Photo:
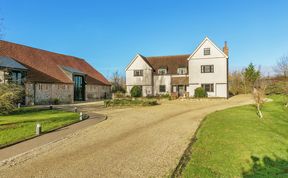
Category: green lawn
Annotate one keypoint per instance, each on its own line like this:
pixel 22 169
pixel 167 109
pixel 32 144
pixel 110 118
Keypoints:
pixel 21 124
pixel 236 143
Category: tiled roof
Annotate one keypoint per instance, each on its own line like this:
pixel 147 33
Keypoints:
pixel 180 80
pixel 45 66
pixel 172 63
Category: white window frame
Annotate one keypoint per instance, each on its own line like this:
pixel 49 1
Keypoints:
pixel 210 87
pixel 207 51
pixel 162 71
pixel 182 71
pixel 207 68
pixel 138 73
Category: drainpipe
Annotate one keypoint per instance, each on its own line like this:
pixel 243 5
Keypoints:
pixel 227 78
pixel 152 82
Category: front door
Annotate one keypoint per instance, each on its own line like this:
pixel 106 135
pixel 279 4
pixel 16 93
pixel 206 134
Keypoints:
pixel 181 90
pixel 79 88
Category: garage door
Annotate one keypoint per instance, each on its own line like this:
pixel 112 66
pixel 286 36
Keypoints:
pixel 221 90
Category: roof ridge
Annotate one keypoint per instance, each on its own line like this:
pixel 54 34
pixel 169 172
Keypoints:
pixel 34 48
pixel 168 56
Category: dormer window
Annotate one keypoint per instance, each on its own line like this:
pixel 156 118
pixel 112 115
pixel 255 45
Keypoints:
pixel 182 70
pixel 162 71
pixel 207 51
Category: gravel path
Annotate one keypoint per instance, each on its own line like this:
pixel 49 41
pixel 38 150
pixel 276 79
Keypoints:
pixel 133 142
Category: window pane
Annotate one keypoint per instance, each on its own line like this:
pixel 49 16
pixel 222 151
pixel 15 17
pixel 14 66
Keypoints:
pixel 138 72
pixel 162 71
pixel 207 69
pixel 206 51
pixel 162 88
pixel 208 87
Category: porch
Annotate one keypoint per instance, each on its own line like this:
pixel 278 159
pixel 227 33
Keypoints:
pixel 179 86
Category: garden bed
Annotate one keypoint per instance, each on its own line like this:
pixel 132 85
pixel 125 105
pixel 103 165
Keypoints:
pixel 130 102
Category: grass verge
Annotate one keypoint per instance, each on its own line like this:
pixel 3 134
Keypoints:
pixel 236 143
pixel 20 125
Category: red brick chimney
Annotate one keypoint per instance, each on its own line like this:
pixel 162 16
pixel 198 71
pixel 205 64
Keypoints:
pixel 226 49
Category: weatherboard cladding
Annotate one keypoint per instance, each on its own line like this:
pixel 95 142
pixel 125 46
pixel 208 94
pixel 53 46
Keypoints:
pixel 45 66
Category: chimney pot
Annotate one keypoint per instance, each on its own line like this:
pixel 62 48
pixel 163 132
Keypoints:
pixel 226 49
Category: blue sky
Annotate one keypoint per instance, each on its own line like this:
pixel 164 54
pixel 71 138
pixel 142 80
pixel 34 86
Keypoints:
pixel 109 33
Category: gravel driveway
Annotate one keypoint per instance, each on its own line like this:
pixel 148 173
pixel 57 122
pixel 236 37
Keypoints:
pixel 133 142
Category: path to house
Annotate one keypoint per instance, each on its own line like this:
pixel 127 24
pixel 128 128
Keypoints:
pixel 133 142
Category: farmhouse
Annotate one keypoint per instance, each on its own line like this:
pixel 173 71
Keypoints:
pixel 206 67
pixel 49 76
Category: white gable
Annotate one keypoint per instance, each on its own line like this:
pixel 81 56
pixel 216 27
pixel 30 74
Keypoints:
pixel 215 52
pixel 138 63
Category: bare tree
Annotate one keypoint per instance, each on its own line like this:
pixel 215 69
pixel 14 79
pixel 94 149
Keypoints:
pixel 286 93
pixel 259 95
pixel 281 67
pixel 236 82
pixel 118 82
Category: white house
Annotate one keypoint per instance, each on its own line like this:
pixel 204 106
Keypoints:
pixel 206 67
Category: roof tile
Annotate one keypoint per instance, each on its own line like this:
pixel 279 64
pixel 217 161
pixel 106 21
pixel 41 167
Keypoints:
pixel 43 65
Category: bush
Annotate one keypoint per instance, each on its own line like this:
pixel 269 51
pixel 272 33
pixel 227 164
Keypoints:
pixel 167 95
pixel 136 91
pixel 56 101
pixel 117 89
pixel 130 102
pixel 118 95
pixel 159 96
pixel 200 93
pixel 276 88
pixel 10 95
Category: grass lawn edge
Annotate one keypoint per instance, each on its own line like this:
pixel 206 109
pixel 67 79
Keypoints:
pixel 43 133
pixel 186 156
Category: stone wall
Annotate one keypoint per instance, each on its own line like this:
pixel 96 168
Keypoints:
pixel 94 92
pixel 29 94
pixel 1 76
pixel 46 92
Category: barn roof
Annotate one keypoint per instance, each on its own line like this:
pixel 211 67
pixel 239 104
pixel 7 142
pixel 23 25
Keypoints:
pixel 45 66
